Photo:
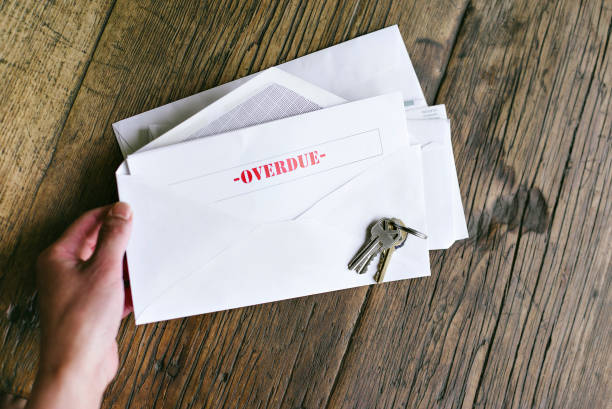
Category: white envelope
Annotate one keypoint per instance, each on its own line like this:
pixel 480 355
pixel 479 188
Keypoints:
pixel 445 218
pixel 192 252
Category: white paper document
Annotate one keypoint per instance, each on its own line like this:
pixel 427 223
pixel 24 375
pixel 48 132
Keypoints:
pixel 272 211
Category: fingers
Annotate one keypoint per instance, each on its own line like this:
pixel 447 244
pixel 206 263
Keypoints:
pixel 113 237
pixel 89 245
pixel 71 242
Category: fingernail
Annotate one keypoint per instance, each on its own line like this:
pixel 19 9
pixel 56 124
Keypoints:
pixel 121 210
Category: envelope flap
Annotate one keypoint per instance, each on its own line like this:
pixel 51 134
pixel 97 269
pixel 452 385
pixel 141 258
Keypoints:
pixel 368 190
pixel 172 237
pixel 307 255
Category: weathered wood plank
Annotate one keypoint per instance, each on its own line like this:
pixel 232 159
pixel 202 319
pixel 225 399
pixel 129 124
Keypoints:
pixel 45 49
pixel 519 316
pixel 284 354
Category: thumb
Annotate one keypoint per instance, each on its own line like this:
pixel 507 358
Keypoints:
pixel 114 236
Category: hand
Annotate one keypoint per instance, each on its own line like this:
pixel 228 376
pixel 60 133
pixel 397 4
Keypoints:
pixel 82 301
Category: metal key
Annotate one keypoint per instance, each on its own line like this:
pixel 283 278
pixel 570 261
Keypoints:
pixel 375 231
pixel 389 240
pixel 405 229
pixel 385 256
pixel 381 238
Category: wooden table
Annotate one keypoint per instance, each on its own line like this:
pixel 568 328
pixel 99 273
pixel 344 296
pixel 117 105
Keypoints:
pixel 519 315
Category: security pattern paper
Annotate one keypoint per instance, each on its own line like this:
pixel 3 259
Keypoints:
pixel 274 102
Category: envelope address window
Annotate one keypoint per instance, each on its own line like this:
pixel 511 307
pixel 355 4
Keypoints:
pixel 287 167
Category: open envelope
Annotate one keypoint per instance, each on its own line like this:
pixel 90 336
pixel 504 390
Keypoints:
pixel 201 250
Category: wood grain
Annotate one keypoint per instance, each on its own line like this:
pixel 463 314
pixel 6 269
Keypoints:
pixel 45 50
pixel 518 316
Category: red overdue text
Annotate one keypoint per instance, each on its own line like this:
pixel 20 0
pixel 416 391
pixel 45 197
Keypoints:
pixel 279 167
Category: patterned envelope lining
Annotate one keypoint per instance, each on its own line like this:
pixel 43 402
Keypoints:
pixel 274 102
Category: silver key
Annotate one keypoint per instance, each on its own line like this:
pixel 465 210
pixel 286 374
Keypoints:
pixel 375 231
pixel 389 239
pixel 380 239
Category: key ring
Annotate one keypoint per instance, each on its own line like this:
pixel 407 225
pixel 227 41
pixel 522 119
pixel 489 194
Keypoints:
pixel 409 230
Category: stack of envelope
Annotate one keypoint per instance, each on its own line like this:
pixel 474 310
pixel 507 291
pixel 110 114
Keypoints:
pixel 263 188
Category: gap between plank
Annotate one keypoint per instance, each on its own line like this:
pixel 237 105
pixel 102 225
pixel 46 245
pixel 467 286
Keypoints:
pixel 452 50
